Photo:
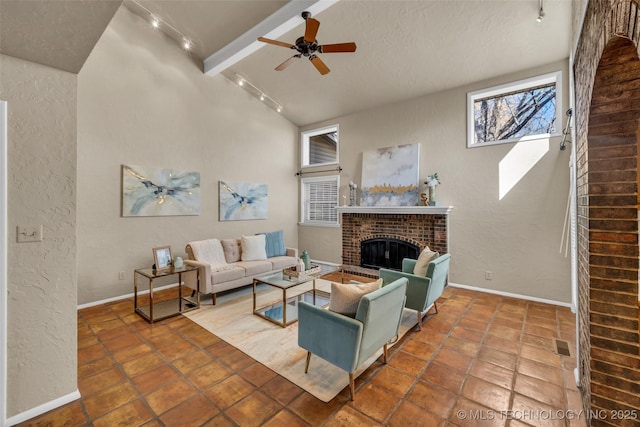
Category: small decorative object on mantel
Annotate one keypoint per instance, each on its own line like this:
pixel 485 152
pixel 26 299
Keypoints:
pixel 432 182
pixel 353 188
pixel 424 200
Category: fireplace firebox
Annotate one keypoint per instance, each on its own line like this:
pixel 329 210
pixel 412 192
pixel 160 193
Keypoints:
pixel 386 253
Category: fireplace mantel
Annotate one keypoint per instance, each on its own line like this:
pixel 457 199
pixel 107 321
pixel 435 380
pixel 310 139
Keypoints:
pixel 395 210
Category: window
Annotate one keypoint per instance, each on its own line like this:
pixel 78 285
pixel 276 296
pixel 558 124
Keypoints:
pixel 320 146
pixel 526 109
pixel 320 200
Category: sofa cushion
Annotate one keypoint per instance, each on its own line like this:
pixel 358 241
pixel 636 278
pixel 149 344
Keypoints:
pixel 227 275
pixel 231 249
pixel 254 267
pixel 280 262
pixel 253 248
pixel 426 256
pixel 274 243
pixel 345 297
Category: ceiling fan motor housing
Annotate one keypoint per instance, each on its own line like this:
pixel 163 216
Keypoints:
pixel 305 48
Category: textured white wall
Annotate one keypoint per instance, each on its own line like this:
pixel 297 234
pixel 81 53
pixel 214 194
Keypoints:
pixel 517 238
pixel 143 101
pixel 42 191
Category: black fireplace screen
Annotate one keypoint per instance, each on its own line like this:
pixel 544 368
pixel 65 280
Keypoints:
pixel 386 253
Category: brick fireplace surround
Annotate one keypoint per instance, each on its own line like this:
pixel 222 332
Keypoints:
pixel 607 78
pixel 419 225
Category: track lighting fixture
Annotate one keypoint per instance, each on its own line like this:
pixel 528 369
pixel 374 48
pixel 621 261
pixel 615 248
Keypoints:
pixel 253 90
pixel 540 11
pixel 164 26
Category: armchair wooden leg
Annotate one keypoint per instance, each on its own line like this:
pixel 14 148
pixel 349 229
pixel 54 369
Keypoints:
pixel 435 305
pixel 352 385
pixel 306 366
pixel 213 299
pixel 384 353
pixel 419 320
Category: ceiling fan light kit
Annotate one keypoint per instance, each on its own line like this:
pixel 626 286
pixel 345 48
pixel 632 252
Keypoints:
pixel 307 46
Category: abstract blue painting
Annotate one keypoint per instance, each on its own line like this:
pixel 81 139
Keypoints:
pixel 243 201
pixel 159 192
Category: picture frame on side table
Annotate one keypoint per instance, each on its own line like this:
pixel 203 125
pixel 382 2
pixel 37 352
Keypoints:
pixel 162 258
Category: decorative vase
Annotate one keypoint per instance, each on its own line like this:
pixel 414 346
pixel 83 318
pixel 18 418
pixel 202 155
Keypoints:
pixel 178 263
pixel 432 196
pixel 301 268
pixel 306 259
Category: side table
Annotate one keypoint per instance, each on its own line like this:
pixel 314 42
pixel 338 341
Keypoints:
pixel 162 310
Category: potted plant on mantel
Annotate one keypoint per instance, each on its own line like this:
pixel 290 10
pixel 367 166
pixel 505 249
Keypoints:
pixel 432 182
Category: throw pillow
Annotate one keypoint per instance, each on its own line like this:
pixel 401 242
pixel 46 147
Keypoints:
pixel 275 243
pixel 426 256
pixel 344 299
pixel 253 248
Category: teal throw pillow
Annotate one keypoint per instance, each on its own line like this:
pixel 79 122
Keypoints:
pixel 275 243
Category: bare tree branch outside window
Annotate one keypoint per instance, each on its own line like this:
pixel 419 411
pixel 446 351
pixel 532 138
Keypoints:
pixel 513 115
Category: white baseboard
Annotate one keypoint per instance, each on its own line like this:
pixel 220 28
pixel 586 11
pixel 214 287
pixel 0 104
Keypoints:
pixel 511 295
pixel 121 297
pixel 45 407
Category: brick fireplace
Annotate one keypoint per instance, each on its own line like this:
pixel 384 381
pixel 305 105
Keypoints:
pixel 419 225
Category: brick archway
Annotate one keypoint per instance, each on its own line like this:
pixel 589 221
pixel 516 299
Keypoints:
pixel 607 125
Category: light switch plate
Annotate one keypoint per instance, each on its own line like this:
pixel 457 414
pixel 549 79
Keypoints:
pixel 29 233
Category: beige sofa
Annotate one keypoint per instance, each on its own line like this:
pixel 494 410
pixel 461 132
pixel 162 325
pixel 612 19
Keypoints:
pixel 232 272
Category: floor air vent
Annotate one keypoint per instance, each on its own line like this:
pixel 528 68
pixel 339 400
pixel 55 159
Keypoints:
pixel 562 348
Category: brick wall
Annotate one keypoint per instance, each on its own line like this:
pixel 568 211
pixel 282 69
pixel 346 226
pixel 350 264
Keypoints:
pixel 607 76
pixel 419 229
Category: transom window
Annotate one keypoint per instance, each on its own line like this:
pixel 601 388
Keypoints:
pixel 320 146
pixel 526 109
pixel 319 200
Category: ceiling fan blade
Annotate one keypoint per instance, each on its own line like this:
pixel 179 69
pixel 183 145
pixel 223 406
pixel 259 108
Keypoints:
pixel 338 47
pixel 286 63
pixel 311 30
pixel 320 66
pixel 276 42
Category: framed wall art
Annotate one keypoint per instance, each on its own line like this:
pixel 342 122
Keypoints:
pixel 243 201
pixel 390 176
pixel 159 192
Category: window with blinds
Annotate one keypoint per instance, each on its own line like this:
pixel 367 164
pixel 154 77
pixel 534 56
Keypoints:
pixel 320 200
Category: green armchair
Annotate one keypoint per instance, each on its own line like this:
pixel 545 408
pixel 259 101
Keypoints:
pixel 422 292
pixel 347 342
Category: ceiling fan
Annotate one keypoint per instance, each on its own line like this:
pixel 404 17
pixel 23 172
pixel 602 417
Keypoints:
pixel 308 46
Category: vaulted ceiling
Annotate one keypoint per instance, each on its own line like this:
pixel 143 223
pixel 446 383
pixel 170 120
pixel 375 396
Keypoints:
pixel 405 49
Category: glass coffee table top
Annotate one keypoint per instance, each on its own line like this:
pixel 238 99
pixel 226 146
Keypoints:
pixel 280 295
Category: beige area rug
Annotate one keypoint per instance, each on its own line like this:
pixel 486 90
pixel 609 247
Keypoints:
pixel 232 320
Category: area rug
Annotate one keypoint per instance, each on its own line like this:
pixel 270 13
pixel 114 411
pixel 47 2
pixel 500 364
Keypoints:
pixel 232 320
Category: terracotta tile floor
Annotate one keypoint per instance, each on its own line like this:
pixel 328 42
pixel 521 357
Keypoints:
pixel 480 355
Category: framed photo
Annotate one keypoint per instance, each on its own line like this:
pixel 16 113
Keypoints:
pixel 162 258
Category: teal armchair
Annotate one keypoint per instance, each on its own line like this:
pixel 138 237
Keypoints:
pixel 422 292
pixel 346 342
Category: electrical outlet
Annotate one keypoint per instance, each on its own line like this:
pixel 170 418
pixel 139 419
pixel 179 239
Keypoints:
pixel 29 233
pixel 121 275
pixel 488 275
